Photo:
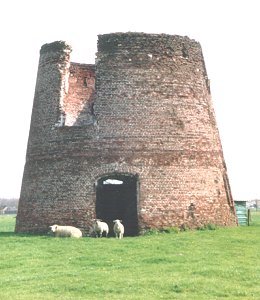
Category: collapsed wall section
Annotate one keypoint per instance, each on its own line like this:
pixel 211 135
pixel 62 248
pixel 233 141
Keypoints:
pixel 55 186
pixel 79 101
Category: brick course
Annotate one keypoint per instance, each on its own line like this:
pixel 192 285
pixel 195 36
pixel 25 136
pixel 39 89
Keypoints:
pixel 144 109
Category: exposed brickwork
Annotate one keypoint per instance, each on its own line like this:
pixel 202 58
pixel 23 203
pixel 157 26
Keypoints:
pixel 151 116
pixel 78 103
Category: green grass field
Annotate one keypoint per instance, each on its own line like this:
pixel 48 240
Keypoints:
pixel 202 264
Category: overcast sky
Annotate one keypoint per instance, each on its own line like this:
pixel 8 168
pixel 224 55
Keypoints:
pixel 228 31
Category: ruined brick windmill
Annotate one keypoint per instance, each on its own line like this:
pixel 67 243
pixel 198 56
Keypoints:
pixel 132 137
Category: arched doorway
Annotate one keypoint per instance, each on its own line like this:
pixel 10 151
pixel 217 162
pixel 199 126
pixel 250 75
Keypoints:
pixel 116 198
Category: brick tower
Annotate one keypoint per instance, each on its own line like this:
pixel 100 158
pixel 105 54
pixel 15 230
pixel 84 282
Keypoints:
pixel 132 137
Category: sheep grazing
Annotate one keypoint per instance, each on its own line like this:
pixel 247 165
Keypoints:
pixel 119 229
pixel 100 227
pixel 66 231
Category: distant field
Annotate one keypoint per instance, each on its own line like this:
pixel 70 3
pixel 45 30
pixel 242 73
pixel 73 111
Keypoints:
pixel 7 223
pixel 203 264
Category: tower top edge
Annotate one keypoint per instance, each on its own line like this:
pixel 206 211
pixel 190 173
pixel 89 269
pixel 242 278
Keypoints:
pixel 57 46
pixel 146 35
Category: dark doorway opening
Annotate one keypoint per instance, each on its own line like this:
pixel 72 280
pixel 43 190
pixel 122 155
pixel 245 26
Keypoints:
pixel 116 198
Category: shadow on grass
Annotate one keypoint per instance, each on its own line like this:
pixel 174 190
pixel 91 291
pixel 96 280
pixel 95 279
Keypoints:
pixel 14 234
pixel 7 234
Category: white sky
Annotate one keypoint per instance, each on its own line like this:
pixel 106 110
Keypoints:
pixel 228 31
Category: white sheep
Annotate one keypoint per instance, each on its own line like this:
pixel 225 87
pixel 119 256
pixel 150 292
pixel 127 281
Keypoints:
pixel 99 227
pixel 119 229
pixel 66 231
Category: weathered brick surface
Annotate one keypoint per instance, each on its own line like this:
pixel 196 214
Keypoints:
pixel 150 116
pixel 78 103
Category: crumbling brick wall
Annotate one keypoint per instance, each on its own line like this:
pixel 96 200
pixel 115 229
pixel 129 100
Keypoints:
pixel 149 115
pixel 78 103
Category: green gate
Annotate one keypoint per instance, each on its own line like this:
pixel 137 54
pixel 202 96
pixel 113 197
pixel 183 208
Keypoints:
pixel 242 213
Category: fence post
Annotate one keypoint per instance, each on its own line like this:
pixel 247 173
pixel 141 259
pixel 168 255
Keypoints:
pixel 248 216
